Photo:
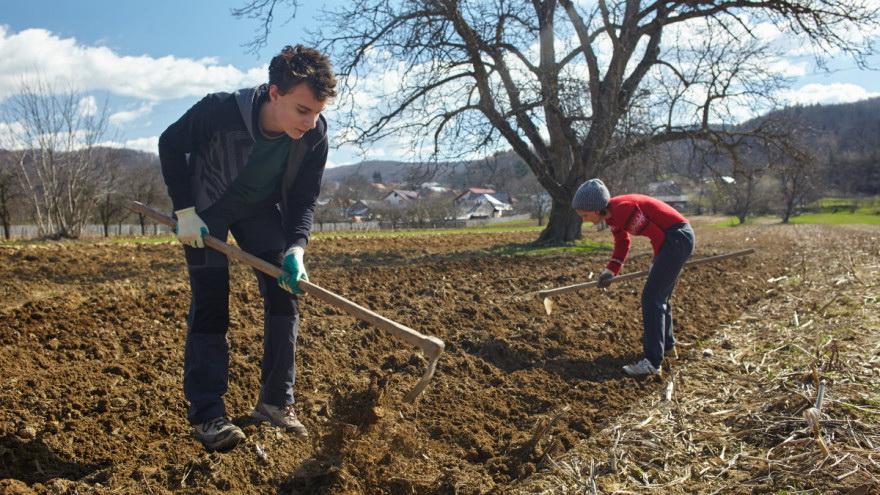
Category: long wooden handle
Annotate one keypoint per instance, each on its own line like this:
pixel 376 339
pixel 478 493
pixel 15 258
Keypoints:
pixel 432 346
pixel 643 273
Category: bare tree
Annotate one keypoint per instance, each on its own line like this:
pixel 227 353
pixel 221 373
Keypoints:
pixel 55 133
pixel 148 187
pixel 352 188
pixel 797 170
pixel 9 192
pixel 110 205
pixel 432 210
pixel 263 11
pixel 573 89
pixel 144 184
pixel 738 169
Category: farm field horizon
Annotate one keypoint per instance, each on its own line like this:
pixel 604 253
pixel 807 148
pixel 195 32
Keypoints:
pixel 91 343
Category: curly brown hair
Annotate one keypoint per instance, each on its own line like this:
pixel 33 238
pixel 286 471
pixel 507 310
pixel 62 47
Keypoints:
pixel 297 64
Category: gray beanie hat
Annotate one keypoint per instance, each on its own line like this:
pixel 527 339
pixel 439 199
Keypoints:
pixel 591 196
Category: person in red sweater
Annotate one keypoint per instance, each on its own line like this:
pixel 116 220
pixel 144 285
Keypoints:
pixel 672 239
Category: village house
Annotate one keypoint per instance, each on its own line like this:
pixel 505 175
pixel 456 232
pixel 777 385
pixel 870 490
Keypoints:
pixel 400 197
pixel 478 202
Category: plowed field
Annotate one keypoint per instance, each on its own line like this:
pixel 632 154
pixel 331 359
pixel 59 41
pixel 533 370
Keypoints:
pixel 91 350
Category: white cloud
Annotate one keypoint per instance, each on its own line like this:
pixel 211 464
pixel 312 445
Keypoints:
pixel 10 135
pixel 827 94
pixel 87 106
pixel 38 53
pixel 126 116
pixel 786 68
pixel 148 144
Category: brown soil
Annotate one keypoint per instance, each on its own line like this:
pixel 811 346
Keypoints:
pixel 91 348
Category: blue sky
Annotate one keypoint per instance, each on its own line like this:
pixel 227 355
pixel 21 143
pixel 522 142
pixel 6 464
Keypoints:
pixel 151 61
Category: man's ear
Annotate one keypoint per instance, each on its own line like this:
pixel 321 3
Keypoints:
pixel 273 92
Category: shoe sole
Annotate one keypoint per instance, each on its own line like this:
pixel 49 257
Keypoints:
pixel 257 415
pixel 226 444
pixel 630 373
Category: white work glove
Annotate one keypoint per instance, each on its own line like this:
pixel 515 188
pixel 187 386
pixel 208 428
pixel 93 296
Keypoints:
pixel 294 270
pixel 605 278
pixel 190 228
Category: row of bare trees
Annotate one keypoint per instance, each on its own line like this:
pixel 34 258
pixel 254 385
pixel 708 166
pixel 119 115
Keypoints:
pixel 55 170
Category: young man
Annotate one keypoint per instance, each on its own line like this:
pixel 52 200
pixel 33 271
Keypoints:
pixel 249 163
pixel 673 242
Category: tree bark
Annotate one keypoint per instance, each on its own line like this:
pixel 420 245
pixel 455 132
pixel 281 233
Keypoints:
pixel 564 225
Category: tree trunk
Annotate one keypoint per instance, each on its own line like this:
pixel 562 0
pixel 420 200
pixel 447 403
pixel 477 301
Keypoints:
pixel 563 226
pixel 789 208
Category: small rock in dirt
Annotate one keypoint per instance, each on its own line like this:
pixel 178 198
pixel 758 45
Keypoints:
pixel 261 454
pixel 146 471
pixel 53 344
pixel 708 352
pixel 27 433
pixel 15 487
pixel 726 344
pixel 118 402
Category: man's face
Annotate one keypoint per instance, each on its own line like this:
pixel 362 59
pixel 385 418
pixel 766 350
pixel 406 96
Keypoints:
pixel 589 216
pixel 296 112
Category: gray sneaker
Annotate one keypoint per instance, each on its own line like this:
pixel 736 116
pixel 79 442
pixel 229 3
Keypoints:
pixel 218 434
pixel 282 417
pixel 643 367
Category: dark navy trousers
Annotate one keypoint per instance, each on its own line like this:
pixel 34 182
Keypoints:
pixel 257 229
pixel 656 311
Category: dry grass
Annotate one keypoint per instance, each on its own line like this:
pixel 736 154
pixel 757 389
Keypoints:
pixel 742 413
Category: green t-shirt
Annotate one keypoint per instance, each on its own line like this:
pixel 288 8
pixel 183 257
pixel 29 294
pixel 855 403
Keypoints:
pixel 261 177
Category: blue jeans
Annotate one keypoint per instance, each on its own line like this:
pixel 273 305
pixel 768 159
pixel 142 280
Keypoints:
pixel 656 311
pixel 257 228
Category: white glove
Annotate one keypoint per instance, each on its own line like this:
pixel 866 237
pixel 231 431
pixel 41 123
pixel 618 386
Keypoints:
pixel 190 228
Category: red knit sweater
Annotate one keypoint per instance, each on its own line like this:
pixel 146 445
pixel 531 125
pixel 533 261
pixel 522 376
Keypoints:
pixel 638 214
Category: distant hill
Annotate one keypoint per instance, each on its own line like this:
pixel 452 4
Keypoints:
pixel 497 170
pixel 854 125
pixel 847 143
pixel 390 171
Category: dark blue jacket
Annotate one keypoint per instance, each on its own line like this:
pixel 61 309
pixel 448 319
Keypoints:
pixel 204 151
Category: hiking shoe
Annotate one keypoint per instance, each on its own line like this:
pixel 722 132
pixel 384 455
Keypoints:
pixel 643 367
pixel 218 434
pixel 282 417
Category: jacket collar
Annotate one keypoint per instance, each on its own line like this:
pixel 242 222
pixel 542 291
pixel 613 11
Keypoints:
pixel 249 101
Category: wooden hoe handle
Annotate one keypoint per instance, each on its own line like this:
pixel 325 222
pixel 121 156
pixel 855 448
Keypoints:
pixel 643 273
pixel 430 345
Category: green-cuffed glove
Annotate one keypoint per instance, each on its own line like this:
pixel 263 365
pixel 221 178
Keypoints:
pixel 294 270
